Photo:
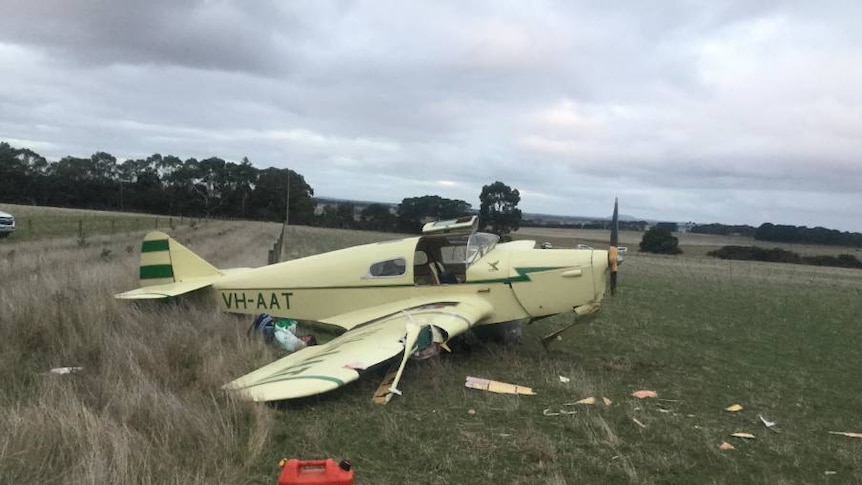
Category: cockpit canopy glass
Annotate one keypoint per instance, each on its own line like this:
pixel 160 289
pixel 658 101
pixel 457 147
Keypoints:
pixel 479 244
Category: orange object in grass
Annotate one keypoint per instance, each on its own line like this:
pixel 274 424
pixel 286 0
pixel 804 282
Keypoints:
pixel 318 472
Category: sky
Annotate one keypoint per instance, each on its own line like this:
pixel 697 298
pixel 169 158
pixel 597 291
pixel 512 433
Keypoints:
pixel 738 112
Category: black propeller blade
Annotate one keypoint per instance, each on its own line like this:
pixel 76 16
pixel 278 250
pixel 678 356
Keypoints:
pixel 613 250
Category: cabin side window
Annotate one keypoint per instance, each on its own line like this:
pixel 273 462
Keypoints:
pixel 388 268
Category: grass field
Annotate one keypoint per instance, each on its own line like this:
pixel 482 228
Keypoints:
pixel 782 340
pixel 34 223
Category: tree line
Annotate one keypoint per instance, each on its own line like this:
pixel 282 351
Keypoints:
pixel 214 187
pixel 778 255
pixel 785 233
pixel 803 234
pixel 157 184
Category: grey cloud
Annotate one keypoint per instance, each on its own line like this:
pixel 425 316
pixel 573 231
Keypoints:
pixel 231 36
pixel 686 110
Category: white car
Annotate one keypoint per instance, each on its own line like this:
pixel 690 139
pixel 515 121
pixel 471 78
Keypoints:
pixel 7 224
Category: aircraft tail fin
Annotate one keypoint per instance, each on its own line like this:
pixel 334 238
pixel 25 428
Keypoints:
pixel 169 269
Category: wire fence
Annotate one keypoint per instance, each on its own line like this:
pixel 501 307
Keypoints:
pixel 56 226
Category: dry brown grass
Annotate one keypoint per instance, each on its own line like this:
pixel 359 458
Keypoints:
pixel 146 408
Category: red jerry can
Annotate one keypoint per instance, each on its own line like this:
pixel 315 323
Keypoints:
pixel 318 472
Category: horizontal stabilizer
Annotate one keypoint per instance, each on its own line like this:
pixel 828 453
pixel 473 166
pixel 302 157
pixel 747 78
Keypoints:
pixel 166 290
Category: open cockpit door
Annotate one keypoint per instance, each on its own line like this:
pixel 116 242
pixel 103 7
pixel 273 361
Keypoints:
pixel 442 250
pixel 462 225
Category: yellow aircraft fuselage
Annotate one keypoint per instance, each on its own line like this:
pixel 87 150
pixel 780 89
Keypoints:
pixel 517 280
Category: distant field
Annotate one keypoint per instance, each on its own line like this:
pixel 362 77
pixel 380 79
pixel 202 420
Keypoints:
pixel 35 222
pixel 781 340
pixel 691 244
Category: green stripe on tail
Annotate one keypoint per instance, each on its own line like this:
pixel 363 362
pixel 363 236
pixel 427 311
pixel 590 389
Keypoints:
pixel 153 246
pixel 157 271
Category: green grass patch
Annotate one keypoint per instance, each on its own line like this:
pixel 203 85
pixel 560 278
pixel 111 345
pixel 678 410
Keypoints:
pixel 781 349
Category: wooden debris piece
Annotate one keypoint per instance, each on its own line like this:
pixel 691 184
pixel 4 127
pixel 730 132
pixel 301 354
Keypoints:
pixel 496 386
pixel 382 394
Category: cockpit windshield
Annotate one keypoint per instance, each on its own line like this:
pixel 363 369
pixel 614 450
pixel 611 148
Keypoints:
pixel 479 244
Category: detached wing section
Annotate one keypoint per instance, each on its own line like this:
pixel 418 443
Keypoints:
pixel 322 368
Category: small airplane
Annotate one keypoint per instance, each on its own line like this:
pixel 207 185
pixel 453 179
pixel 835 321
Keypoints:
pixel 391 298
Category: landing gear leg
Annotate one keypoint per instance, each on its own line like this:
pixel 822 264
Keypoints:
pixel 583 314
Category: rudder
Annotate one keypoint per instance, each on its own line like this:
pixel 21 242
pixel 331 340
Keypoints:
pixel 164 260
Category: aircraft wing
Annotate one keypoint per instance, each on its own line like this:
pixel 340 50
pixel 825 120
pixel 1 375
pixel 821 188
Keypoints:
pixel 321 368
pixel 349 321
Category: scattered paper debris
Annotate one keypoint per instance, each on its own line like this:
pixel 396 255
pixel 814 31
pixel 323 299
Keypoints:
pixel 747 436
pixel 547 412
pixel 638 423
pixel 830 472
pixel 845 433
pixel 725 446
pixel 65 370
pixel 563 411
pixel 471 411
pixel 587 400
pixel 768 424
pixel 644 393
pixel 606 401
pixel 733 408
pixel 663 410
pixel 496 386
pixel 565 380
